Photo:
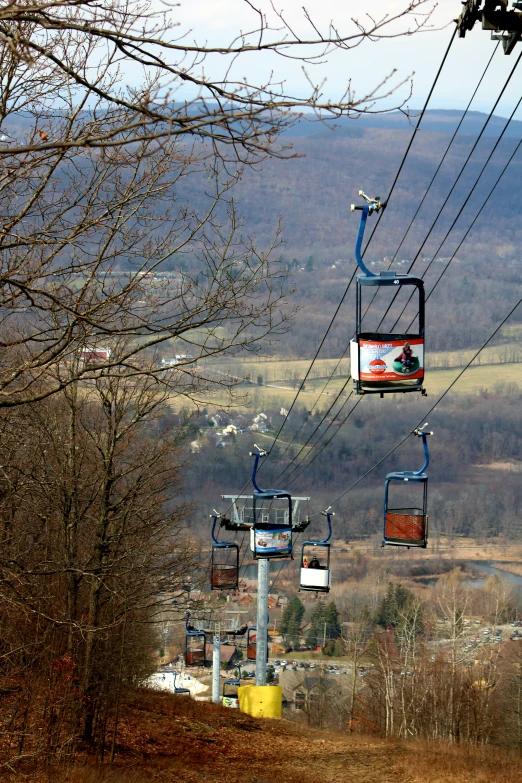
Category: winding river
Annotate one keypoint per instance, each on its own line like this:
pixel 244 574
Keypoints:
pixel 489 568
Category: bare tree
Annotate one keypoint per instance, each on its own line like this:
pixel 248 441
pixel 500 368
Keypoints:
pixel 357 640
pixel 117 216
pixel 94 542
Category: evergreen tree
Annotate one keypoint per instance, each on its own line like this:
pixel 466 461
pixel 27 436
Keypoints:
pixel 393 605
pixel 397 611
pixel 331 618
pixel 291 621
pixel 315 635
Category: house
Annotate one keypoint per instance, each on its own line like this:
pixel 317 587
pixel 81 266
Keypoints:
pixel 305 690
pixel 259 423
pixel 96 354
pixel 231 429
pixel 168 362
pixel 228 654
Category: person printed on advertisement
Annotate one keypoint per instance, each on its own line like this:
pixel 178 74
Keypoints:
pixel 405 358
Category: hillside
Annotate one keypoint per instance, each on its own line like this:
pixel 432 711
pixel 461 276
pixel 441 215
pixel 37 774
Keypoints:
pixel 312 192
pixel 173 739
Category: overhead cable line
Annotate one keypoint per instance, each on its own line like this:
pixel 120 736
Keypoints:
pixel 327 443
pixel 309 413
pixel 368 242
pixel 459 213
pixel 445 153
pixel 425 415
pixel 475 219
pixel 305 444
pixel 436 171
pixel 432 290
pixel 412 139
pixel 506 83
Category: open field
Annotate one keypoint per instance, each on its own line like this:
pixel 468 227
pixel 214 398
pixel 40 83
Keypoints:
pixel 291 369
pixel 273 382
pixel 457 548
pixel 475 379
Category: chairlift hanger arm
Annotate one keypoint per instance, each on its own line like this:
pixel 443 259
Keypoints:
pixel 257 454
pixel 419 431
pixel 215 518
pixel 328 514
pixel 266 494
pixel 372 205
pixel 228 525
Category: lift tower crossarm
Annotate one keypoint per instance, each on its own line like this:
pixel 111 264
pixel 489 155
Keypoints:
pixel 238 521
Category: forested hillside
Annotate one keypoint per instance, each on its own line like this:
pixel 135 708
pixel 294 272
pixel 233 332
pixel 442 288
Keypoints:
pixel 309 197
pixel 471 295
pixel 475 453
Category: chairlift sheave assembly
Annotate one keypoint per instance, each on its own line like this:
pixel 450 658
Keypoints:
pixel 504 23
pixel 408 526
pixel 271 532
pixel 315 574
pixel 224 569
pixel 384 363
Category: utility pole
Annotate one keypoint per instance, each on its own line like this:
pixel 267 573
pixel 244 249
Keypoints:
pixel 263 566
pixel 324 635
pixel 216 667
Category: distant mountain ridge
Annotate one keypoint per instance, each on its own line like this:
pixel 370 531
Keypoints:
pixel 434 120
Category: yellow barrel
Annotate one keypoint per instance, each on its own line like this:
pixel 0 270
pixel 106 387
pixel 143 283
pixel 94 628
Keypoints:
pixel 261 701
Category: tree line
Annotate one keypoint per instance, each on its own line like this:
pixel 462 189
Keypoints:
pixel 467 496
pixel 415 669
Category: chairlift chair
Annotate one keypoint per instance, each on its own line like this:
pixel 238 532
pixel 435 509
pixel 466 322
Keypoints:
pixel 251 644
pixel 315 562
pixel 408 526
pixel 224 573
pixel 271 532
pixel 180 691
pixel 195 646
pixel 374 364
pixel 230 695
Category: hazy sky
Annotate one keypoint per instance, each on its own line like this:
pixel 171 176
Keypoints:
pixel 219 21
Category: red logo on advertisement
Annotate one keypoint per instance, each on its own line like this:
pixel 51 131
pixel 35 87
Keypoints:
pixel 377 366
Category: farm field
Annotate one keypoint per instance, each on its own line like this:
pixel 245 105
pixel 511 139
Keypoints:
pixel 256 397
pixel 290 370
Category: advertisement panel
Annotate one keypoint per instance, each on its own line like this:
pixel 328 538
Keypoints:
pixel 273 541
pixel 391 360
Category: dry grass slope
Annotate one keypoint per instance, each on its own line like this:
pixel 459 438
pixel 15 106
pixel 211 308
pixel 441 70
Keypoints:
pixel 176 740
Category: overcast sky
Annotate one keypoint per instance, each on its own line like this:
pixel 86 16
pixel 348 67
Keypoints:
pixel 219 21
